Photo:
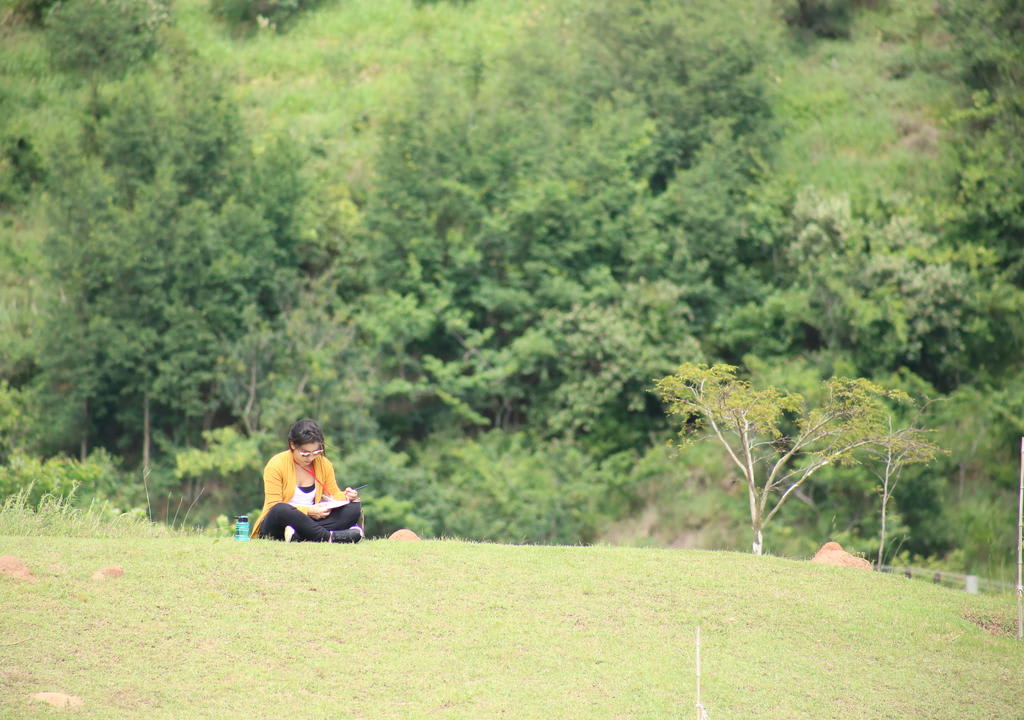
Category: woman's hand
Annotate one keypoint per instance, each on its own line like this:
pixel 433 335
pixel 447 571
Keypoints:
pixel 318 514
pixel 351 495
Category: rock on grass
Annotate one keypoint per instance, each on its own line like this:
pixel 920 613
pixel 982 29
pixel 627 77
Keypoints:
pixel 404 534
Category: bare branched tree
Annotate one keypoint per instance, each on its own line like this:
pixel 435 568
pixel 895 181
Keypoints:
pixel 892 451
pixel 749 423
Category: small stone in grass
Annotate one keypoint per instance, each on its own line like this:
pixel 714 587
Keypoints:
pixel 404 534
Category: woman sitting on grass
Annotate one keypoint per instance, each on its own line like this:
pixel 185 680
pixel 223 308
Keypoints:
pixel 297 484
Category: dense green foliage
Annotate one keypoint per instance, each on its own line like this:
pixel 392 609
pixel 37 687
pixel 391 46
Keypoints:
pixel 467 237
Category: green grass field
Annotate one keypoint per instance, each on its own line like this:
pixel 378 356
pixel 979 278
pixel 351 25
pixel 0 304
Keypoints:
pixel 205 628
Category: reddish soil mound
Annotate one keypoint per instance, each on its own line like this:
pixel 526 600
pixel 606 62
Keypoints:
pixel 832 553
pixel 59 700
pixel 111 571
pixel 15 568
pixel 404 534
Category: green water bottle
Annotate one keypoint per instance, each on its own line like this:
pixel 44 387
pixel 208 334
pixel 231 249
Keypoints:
pixel 242 527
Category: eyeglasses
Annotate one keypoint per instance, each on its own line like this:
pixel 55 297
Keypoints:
pixel 312 453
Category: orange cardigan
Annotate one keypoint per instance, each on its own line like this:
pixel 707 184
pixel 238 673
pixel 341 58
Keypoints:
pixel 279 483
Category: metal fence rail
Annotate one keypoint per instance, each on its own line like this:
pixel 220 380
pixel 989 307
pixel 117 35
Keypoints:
pixel 969 583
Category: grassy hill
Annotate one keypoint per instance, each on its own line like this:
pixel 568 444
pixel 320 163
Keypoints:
pixel 859 115
pixel 343 67
pixel 866 116
pixel 204 628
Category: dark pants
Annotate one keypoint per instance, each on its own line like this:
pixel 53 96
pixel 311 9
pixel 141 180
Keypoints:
pixel 306 528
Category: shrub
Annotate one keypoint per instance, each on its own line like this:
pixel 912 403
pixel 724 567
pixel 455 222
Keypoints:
pixel 58 476
pixel 20 169
pixel 501 488
pixel 248 14
pixel 104 37
pixel 824 18
pixel 28 12
pixel 58 515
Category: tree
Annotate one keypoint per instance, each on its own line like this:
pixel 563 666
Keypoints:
pixel 887 294
pixel 893 451
pixel 163 229
pixel 989 59
pixel 251 14
pixel 566 218
pixel 104 38
pixel 824 18
pixel 751 425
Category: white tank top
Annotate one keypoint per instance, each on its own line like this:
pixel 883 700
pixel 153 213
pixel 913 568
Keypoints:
pixel 303 497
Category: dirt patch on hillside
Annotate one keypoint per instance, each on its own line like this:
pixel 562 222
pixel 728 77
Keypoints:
pixel 919 135
pixel 58 700
pixel 111 571
pixel 998 625
pixel 15 568
pixel 832 553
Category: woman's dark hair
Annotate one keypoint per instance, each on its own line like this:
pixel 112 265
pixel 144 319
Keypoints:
pixel 305 431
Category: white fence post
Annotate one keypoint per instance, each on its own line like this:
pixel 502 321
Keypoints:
pixel 971 584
